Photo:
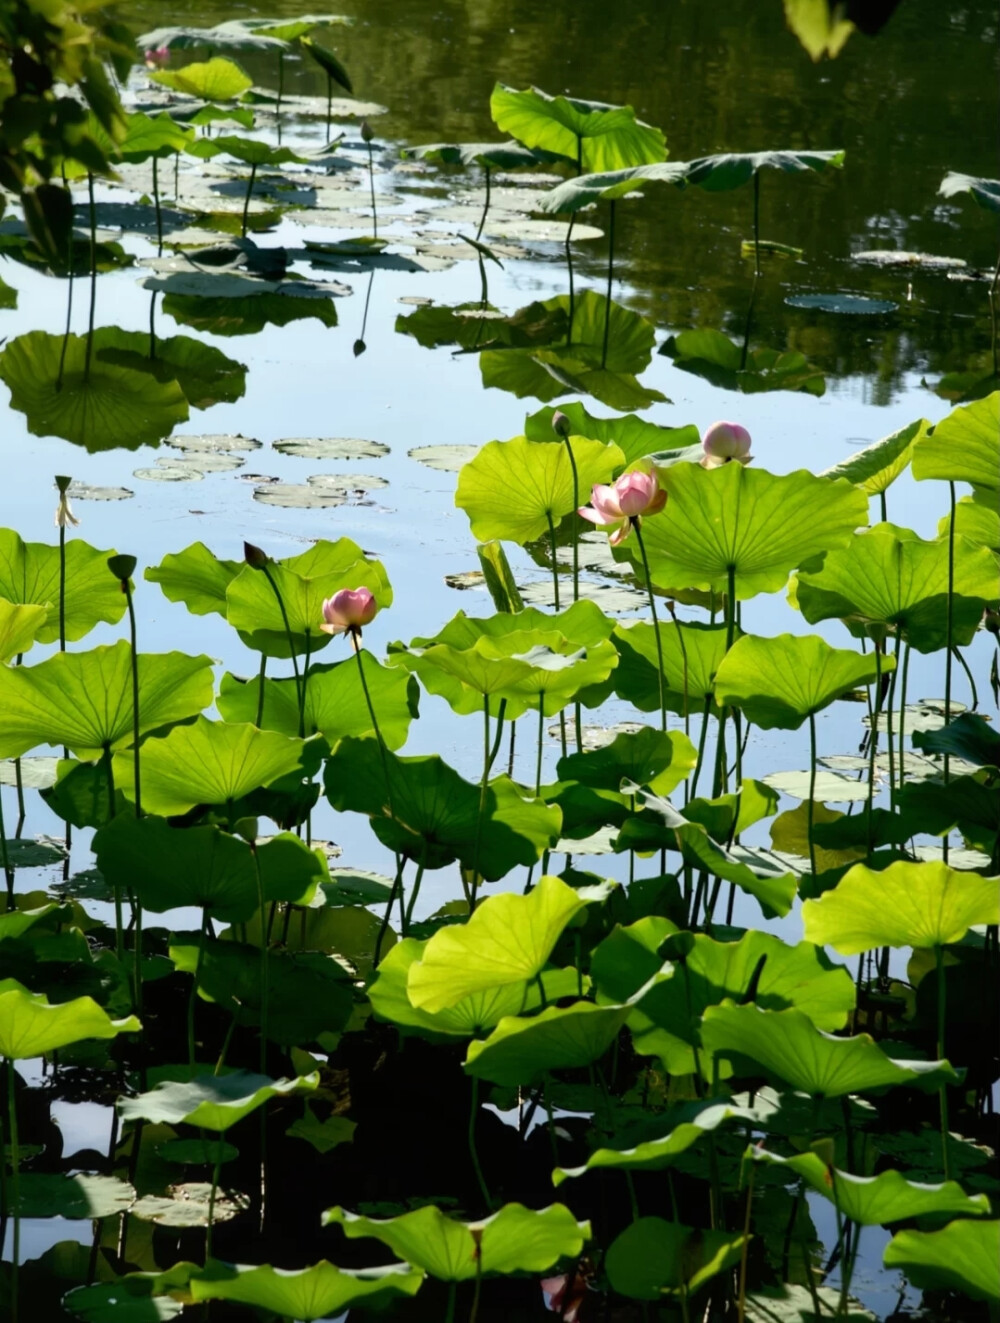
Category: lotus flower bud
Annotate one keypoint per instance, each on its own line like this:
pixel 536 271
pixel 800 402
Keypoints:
pixel 253 556
pixel 348 610
pixel 156 59
pixel 367 132
pixel 560 424
pixel 724 442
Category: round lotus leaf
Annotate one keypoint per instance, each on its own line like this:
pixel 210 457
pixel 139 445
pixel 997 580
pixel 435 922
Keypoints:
pixel 830 787
pixel 188 1205
pixel 214 443
pixel 887 257
pixel 213 1102
pixel 964 447
pixel 30 1027
pixel 448 459
pixel 80 1196
pixel 172 473
pixel 331 448
pixel 299 496
pixel 82 491
pixel 734 169
pixel 521 1049
pixel 964 1257
pixel 653 1257
pixel 37 772
pixel 851 305
pixel 316 1292
pixel 120 1302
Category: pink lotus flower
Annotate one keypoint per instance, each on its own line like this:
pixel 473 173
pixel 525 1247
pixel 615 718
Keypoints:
pixel 156 59
pixel 724 442
pixel 348 610
pixel 565 1294
pixel 632 495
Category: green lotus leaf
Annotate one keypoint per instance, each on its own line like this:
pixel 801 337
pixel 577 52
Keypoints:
pixel 976 520
pixel 726 816
pixel 323 1135
pixel 326 59
pixel 195 577
pixel 473 1015
pixel 514 1239
pixel 158 136
pixel 475 326
pixel 507 940
pixel 633 436
pixel 217 79
pixel 597 135
pixel 434 813
pixel 205 374
pixel 84 699
pixel 890 578
pixel 556 672
pixel 110 407
pixel 967 736
pixel 251 151
pixel 585 190
pixel 733 169
pixel 121 1302
pixel 907 904
pixel 496 155
pixel 169 867
pixel 653 1257
pixel 986 192
pixel 878 466
pixel 964 1256
pixel 248 314
pixel 233 34
pixel 512 489
pixel 319 1291
pixel 20 625
pixel 871 1201
pixel 45 1194
pixel 666 1022
pixel 654 758
pixel 521 1049
pixel 29 576
pixel 692 651
pixel 212 1102
pixel 30 1027
pixel 761 523
pixel 964 447
pixel 779 682
pixel 787 1046
pixel 209 762
pixel 723 362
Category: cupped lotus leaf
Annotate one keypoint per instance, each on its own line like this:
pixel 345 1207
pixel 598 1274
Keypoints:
pixel 634 436
pixel 473 1015
pixel 733 169
pixel 724 362
pixel 986 192
pixel 657 1154
pixel 871 1201
pixel 326 60
pixel 110 406
pixel 906 904
pixel 964 1256
pixel 779 682
pixel 335 701
pixel 195 577
pixel 761 524
pixel 583 624
pixel 319 1291
pixel 522 1048
pixel 556 672
pixel 653 1257
pixel 514 1239
pixel 647 757
pixel 251 151
pixel 209 762
pixel 585 190
pixel 496 155
pixel 507 940
pixel 878 466
pixel 692 655
pixel 212 1102
pixel 597 135
pixel 20 625
pixel 787 1046
pixel 964 447
pixel 217 79
pixel 512 489
pixel 83 700
pixel 666 1023
pixel 169 867
pixel 158 136
pixel 45 1194
pixel 728 815
pixel 30 1026
pixel 434 815
pixel 468 676
pixel 890 578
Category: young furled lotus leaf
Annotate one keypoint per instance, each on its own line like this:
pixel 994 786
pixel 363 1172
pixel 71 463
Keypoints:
pixel 335 703
pixel 169 867
pixel 964 447
pixel 729 170
pixel 83 700
pixel 634 436
pixel 691 1123
pixel 666 1021
pixel 871 1201
pixel 878 466
pixel 210 762
pixel 711 354
pixel 522 1048
pixel 788 1047
pixel 212 1102
pixel 515 1239
pixel 436 814
pixel 890 578
pixel 597 135
pixel 195 577
pixel 20 625
pixel 654 758
pixel 964 1256
pixel 760 524
pixel 512 489
pixel 319 1291
pixel 473 1015
pixel 779 682
pixel 906 904
pixel 30 1026
pixel 507 940
pixel 217 79
pixel 653 1257
pixel 583 191
pixel 692 650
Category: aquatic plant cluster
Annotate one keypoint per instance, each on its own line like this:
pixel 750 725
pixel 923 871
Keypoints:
pixel 558 1095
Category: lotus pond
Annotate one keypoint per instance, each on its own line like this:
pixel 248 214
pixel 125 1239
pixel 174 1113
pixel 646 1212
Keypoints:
pixel 481 838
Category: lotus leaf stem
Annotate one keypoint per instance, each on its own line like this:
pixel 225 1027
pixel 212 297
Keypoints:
pixel 483 784
pixel 260 690
pixel 682 642
pixel 15 1181
pixel 69 302
pixel 949 641
pixel 873 744
pixel 960 658
pixel 942 993
pixel 216 1168
pixel 902 713
pixel 193 995
pixel 742 1300
pixel 486 205
pixel 93 275
pixel 375 726
pixel 246 201
pixel 304 686
pixel 7 866
pixel 756 223
pixel 633 1201
pixel 156 204
pixel 636 524
pixel 473 1151
pixel 541 737
pixel 265 990
pixel 499 735
pixel 611 270
pixel 811 810
pixel 555 558
pixel 397 883
pixel 329 105
pixel 371 185
pixel 288 629
pixel 702 740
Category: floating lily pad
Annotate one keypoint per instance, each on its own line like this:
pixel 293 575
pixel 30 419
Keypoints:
pixel 37 773
pixel 855 305
pixel 216 444
pixel 331 448
pixel 188 1206
pixel 29 853
pixel 175 473
pixel 447 459
pixel 82 491
pixel 887 257
pixel 118 1302
pixel 831 788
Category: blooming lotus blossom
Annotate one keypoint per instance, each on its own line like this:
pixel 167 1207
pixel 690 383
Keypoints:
pixel 565 1294
pixel 156 59
pixel 724 442
pixel 632 495
pixel 347 611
